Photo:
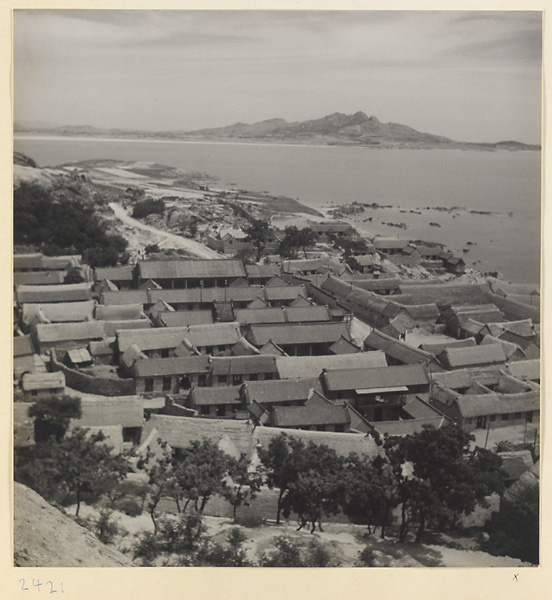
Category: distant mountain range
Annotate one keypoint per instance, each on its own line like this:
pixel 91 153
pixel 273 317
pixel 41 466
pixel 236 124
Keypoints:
pixel 336 129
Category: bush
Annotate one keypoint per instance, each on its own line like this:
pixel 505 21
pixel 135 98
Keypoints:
pixel 129 506
pixel 106 529
pixel 297 553
pixel 248 520
pixel 149 206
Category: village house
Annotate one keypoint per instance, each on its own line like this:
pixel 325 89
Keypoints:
pixel 413 417
pixel 391 246
pixel 306 367
pixel 64 336
pixel 217 338
pixel 122 277
pixel 68 292
pixel 235 370
pixel 215 402
pixel 124 412
pixel 59 312
pixel 23 355
pixel 39 278
pixel 184 274
pixel 317 417
pixel 34 262
pixel 299 339
pixel 170 375
pixel 510 403
pixel 286 392
pixel 378 394
pixel 37 386
pixel 472 356
pixel 327 232
pixel 525 370
pixel 400 353
pixel 261 274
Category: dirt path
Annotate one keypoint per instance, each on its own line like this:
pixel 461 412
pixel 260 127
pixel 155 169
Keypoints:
pixel 176 241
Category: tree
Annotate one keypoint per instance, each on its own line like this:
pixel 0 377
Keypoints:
pixel 316 491
pixel 514 530
pixel 162 481
pixel 243 485
pixel 62 219
pixel 53 415
pixel 72 470
pixel 439 477
pixel 282 462
pixel 200 471
pixel 295 239
pixel 364 499
pixel 257 233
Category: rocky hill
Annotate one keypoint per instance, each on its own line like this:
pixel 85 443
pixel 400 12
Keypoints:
pixel 45 537
pixel 336 129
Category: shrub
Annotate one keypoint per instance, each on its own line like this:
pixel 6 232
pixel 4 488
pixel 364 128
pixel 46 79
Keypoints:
pixel 129 506
pixel 248 520
pixel 147 207
pixel 106 529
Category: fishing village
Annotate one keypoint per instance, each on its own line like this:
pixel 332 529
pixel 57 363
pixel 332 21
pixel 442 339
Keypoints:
pixel 247 327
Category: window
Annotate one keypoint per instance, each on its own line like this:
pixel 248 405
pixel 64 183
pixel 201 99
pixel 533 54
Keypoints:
pixel 204 410
pixel 167 384
pixel 505 417
pixel 185 383
pixel 237 379
pixel 165 353
pixel 222 378
pixel 517 415
pixel 208 349
pixel 253 377
pixel 202 380
pixel 269 376
pixel 529 416
pixel 493 418
pixel 221 410
pixel 148 384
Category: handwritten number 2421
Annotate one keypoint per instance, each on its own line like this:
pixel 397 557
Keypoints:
pixel 49 586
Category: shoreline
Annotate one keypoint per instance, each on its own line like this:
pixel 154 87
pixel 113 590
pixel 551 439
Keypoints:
pixel 460 146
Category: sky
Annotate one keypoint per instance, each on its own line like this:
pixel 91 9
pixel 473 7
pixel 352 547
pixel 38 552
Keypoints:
pixel 470 76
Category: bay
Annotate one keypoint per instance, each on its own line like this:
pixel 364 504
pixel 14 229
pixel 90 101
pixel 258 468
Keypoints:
pixel 506 184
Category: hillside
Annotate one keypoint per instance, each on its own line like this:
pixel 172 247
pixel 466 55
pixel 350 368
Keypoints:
pixel 45 537
pixel 339 129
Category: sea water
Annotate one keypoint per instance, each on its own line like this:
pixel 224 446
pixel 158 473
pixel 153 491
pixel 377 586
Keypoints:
pixel 505 184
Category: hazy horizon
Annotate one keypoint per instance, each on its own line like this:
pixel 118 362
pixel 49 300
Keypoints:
pixel 470 76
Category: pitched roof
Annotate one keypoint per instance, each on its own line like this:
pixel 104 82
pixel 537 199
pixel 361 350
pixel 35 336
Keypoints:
pixel 111 327
pixel 510 349
pixel 290 367
pixel 67 292
pixel 365 260
pixel 105 347
pixel 43 381
pixel 305 416
pixel 122 410
pixel 278 391
pixel 36 260
pixel 375 284
pixel 272 349
pixel 124 273
pixel 407 426
pixel 261 271
pixel 453 293
pixel 156 367
pixel 22 345
pixel 475 355
pixel 298 334
pixel 170 337
pixel 419 409
pixel 396 349
pixel 39 278
pixel 260 315
pixel 185 317
pixel 79 355
pixel 119 312
pixel 384 243
pixel 423 311
pixel 180 431
pixel 523 328
pixel 61 332
pixel 306 264
pixel 191 269
pixel 126 297
pixel 495 404
pixel 60 312
pixel 344 346
pixel 525 369
pixel 204 396
pixel 380 378
pixel 438 347
pixel 242 365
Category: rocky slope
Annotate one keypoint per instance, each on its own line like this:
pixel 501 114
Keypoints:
pixel 45 537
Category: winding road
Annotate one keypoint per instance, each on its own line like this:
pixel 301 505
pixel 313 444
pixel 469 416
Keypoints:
pixel 178 241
